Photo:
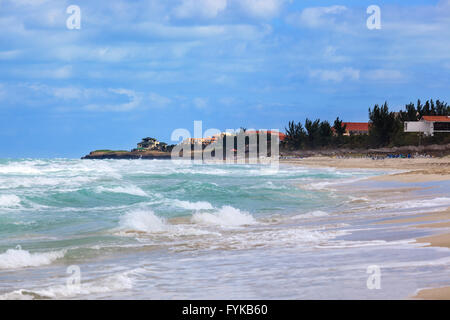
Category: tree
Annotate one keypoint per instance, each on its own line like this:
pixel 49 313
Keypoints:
pixel 442 109
pixel 313 133
pixel 383 125
pixel 295 134
pixel 325 133
pixel 410 113
pixel 339 127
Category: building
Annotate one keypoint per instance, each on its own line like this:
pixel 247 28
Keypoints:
pixel 148 144
pixel 199 141
pixel 355 128
pixel 428 125
pixel 218 137
pixel 281 135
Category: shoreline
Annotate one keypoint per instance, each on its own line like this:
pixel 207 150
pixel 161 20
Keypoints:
pixel 413 170
pixel 404 171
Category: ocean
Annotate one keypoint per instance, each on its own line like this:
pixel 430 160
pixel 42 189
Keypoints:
pixel 160 229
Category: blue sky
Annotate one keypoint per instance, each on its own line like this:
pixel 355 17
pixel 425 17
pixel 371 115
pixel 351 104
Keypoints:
pixel 145 68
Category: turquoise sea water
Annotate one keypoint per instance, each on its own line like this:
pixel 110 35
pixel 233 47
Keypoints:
pixel 163 229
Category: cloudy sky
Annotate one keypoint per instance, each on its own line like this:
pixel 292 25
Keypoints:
pixel 145 68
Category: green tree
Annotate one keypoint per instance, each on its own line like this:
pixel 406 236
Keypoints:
pixel 313 132
pixel 325 133
pixel 295 135
pixel 339 127
pixel 410 113
pixel 383 125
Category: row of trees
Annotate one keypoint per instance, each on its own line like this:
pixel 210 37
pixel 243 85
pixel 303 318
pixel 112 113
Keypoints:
pixel 313 134
pixel 430 108
pixel 385 129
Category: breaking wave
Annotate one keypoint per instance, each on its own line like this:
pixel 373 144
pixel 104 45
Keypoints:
pixel 142 221
pixel 227 216
pixel 9 200
pixel 133 190
pixel 200 205
pixel 18 258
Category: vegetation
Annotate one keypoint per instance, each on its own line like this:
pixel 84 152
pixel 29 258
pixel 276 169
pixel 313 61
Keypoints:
pixel 385 129
pixel 109 151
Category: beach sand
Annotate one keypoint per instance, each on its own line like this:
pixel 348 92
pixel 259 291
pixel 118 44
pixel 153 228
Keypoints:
pixel 434 294
pixel 404 170
pixel 414 170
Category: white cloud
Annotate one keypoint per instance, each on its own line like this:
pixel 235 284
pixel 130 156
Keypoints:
pixel 228 101
pixel 200 103
pixel 28 3
pixel 2 91
pixel 157 100
pixel 134 100
pixel 261 8
pixel 388 75
pixel 330 54
pixel 316 17
pixel 10 54
pixel 335 75
pixel 200 8
pixel 67 93
pixel 44 72
pixel 60 73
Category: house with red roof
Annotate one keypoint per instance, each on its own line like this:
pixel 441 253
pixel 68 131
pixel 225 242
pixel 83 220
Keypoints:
pixel 281 135
pixel 355 128
pixel 428 125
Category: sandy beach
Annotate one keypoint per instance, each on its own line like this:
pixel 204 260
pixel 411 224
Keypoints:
pixel 405 171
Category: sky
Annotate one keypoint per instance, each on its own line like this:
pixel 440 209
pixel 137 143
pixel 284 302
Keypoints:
pixel 147 67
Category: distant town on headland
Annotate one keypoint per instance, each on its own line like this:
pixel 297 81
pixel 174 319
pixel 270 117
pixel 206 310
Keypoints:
pixel 418 128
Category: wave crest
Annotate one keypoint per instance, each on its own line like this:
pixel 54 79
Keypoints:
pixel 18 258
pixel 227 216
pixel 142 221
pixel 9 200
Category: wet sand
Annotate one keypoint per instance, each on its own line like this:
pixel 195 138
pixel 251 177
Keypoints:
pixel 404 171
pixel 434 294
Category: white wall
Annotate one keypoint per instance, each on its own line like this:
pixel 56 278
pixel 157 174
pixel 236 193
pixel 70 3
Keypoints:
pixel 418 126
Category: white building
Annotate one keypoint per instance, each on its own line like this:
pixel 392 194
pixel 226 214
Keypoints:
pixel 429 125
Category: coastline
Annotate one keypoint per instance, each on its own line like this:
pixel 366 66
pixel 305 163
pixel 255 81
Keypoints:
pixel 317 225
pixel 409 173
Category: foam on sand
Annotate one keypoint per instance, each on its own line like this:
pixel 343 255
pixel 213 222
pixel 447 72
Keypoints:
pixel 227 216
pixel 118 282
pixel 18 258
pixel 416 204
pixel 311 214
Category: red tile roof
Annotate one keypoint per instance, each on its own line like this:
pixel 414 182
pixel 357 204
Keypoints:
pixel 436 118
pixel 356 126
pixel 280 134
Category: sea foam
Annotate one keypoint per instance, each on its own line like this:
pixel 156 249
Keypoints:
pixel 18 258
pixel 142 221
pixel 9 200
pixel 227 216
pixel 311 214
pixel 147 222
pixel 118 282
pixel 200 205
pixel 133 190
